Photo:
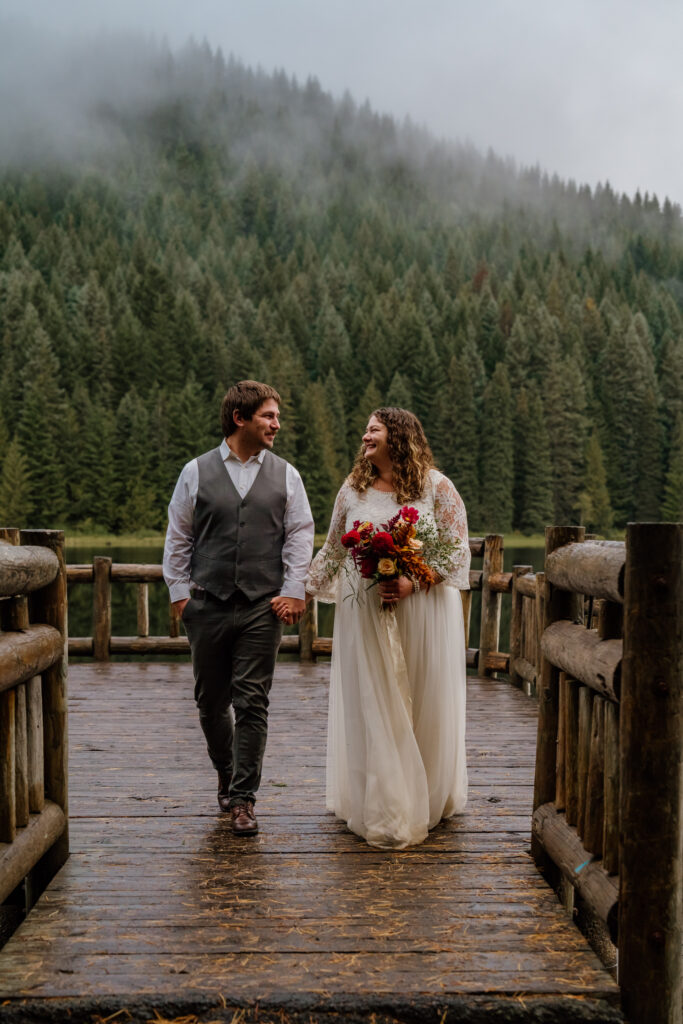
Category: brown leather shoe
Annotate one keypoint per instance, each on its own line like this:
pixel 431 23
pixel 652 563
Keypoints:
pixel 224 781
pixel 243 820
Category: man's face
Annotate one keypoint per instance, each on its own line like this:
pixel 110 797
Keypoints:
pixel 259 432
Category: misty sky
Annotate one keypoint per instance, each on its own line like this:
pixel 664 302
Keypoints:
pixel 589 89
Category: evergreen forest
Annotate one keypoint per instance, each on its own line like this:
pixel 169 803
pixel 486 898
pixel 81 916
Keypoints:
pixel 236 224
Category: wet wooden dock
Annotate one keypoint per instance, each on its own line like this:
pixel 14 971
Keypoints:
pixel 161 913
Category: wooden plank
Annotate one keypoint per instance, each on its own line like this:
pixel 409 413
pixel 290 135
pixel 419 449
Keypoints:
pixel 159 896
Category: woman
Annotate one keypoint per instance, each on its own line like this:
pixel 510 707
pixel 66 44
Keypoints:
pixel 396 733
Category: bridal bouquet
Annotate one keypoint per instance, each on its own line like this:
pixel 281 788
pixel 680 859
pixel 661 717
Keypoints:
pixel 398 548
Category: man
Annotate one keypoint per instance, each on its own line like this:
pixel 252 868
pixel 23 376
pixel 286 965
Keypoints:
pixel 239 541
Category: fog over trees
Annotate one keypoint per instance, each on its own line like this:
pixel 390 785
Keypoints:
pixel 171 223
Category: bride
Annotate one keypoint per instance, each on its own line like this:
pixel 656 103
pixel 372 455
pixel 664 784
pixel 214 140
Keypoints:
pixel 396 732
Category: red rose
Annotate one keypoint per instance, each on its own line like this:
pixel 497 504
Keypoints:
pixel 409 514
pixel 383 543
pixel 368 567
pixel 350 539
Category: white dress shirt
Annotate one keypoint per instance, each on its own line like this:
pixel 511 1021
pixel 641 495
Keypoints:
pixel 299 528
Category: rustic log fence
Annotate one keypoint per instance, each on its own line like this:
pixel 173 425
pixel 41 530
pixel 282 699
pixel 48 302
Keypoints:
pixel 33 717
pixel 103 573
pixel 608 785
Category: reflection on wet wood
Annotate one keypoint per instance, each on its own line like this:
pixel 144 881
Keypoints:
pixel 160 901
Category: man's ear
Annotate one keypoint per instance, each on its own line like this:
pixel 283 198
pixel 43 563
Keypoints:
pixel 237 418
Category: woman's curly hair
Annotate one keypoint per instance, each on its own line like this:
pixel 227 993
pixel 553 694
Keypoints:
pixel 410 454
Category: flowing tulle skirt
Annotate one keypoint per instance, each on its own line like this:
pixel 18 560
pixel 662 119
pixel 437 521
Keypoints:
pixel 396 760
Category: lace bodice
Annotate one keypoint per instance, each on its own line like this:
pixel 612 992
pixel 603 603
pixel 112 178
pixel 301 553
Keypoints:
pixel 440 500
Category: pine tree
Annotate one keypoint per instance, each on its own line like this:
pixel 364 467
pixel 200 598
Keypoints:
pixel 497 472
pixel 41 429
pixel 596 510
pixel 564 410
pixel 425 377
pixel 370 400
pixel 335 410
pixel 16 506
pixel 287 375
pixel 316 458
pixel 536 506
pixel 138 507
pixel 648 491
pixel 457 448
pixel 533 487
pixel 399 394
pixel 672 506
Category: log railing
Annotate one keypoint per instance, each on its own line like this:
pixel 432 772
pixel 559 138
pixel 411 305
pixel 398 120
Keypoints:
pixel 33 727
pixel 103 573
pixel 608 784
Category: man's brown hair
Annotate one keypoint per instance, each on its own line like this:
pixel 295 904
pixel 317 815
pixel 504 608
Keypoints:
pixel 245 398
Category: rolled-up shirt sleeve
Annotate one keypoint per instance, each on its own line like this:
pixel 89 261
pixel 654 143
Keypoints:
pixel 179 537
pixel 299 529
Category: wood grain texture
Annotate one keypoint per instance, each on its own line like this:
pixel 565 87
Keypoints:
pixel 159 901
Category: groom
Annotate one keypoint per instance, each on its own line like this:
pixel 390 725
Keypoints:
pixel 238 545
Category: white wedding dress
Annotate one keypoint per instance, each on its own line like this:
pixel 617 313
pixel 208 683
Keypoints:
pixel 396 731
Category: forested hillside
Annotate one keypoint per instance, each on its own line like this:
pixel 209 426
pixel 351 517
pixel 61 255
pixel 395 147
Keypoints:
pixel 241 225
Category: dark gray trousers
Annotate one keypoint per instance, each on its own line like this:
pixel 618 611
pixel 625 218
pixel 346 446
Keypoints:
pixel 234 645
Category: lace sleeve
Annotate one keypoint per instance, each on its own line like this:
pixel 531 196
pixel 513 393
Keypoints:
pixel 323 574
pixel 451 522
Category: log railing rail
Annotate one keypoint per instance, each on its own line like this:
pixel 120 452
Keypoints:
pixel 103 573
pixel 33 726
pixel 609 783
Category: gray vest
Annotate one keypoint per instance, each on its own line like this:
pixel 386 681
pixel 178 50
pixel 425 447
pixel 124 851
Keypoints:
pixel 238 541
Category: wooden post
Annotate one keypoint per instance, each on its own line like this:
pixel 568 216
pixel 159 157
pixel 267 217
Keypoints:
pixel 562 728
pixel 308 631
pixel 143 609
pixel 516 623
pixel 8 803
pixel 49 606
pixel 610 837
pixel 585 716
pixel 651 849
pixel 539 610
pixel 101 620
pixel 489 635
pixel 595 789
pixel 18 618
pixel 21 756
pixel 36 757
pixel 559 604
pixel 466 598
pixel 572 753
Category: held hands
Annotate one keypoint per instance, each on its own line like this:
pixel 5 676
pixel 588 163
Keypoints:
pixel 288 609
pixel 393 591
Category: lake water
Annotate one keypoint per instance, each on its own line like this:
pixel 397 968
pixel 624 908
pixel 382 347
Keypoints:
pixel 124 595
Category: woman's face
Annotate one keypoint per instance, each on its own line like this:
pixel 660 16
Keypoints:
pixel 375 447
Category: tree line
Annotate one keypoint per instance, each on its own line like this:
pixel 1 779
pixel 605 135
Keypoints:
pixel 535 327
